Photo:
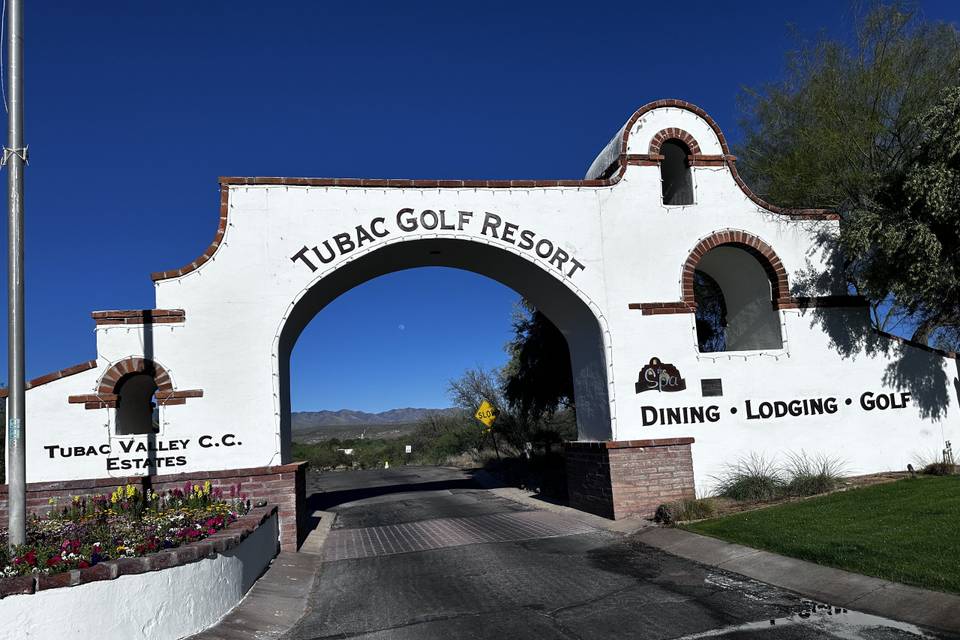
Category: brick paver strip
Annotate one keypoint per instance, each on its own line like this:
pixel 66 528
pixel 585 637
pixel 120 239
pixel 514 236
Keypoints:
pixel 344 544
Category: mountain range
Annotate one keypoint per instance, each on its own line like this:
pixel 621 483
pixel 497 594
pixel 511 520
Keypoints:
pixel 303 420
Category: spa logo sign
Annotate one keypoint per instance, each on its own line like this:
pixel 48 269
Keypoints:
pixel 660 376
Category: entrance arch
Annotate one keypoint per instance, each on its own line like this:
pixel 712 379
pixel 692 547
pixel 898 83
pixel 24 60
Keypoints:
pixel 567 307
pixel 588 252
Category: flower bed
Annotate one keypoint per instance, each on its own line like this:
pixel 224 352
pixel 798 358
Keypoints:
pixel 125 524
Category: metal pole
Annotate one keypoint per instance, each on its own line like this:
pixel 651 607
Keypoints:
pixel 15 157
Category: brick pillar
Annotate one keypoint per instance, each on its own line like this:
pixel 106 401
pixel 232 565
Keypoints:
pixel 628 477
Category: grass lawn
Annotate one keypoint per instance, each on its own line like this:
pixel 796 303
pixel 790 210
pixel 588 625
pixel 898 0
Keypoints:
pixel 906 531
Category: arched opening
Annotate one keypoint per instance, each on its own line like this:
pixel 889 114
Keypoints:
pixel 137 411
pixel 675 175
pixel 711 313
pixel 735 302
pixel 565 309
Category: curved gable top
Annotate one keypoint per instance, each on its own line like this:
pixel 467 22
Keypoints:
pixel 629 146
pixel 632 143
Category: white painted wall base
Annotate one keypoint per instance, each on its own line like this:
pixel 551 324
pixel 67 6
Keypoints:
pixel 160 605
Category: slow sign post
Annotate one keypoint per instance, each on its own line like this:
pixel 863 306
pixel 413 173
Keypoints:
pixel 486 414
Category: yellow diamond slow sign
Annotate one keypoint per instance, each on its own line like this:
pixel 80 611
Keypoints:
pixel 486 414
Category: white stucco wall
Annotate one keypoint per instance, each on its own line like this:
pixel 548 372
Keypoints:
pixel 160 605
pixel 245 305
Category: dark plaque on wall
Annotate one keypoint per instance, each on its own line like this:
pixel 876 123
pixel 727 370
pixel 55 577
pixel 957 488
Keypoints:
pixel 711 387
pixel 660 376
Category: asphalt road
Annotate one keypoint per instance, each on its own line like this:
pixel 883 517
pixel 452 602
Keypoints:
pixel 423 553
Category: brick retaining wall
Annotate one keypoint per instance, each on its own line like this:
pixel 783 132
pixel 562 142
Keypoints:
pixel 283 485
pixel 629 477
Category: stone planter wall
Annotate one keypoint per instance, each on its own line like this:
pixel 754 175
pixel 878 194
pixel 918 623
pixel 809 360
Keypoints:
pixel 162 596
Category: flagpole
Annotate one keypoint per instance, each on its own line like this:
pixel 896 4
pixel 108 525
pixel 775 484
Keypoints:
pixel 14 156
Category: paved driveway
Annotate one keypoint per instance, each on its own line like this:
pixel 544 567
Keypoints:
pixel 424 553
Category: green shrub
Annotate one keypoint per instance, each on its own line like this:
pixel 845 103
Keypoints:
pixel 940 469
pixel 753 478
pixel 808 476
pixel 682 510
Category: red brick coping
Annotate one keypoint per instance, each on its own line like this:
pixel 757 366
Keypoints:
pixel 283 486
pixel 219 542
pixel 56 375
pixel 139 316
pixel 106 395
pixel 612 176
pixel 765 256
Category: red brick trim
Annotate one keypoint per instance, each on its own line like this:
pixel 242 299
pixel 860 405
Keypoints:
pixel 180 395
pixel 674 134
pixel 56 375
pixel 612 177
pixel 759 249
pixel 106 394
pixel 113 375
pixel 790 302
pixel 139 316
pixel 630 444
pixel 615 172
pixel 210 250
pixel 729 159
pixel 227 538
pixel 708 160
pixel 661 308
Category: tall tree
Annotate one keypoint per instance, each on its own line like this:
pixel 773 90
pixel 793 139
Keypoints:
pixel 857 127
pixel 538 379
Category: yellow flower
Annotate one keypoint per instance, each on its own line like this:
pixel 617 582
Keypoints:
pixel 206 487
pixel 52 501
pixel 131 491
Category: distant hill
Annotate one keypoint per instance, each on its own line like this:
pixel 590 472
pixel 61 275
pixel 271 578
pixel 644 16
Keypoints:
pixel 307 420
pixel 316 426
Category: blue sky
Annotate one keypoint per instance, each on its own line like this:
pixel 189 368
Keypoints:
pixel 133 109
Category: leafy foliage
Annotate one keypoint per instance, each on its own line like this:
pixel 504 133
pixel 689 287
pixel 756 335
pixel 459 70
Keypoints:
pixel 870 131
pixel 538 378
pixel 711 314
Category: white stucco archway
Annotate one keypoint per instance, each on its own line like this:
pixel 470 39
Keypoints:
pixel 577 317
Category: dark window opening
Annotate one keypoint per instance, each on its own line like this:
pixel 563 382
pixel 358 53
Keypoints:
pixel 734 300
pixel 711 315
pixel 675 173
pixel 137 411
